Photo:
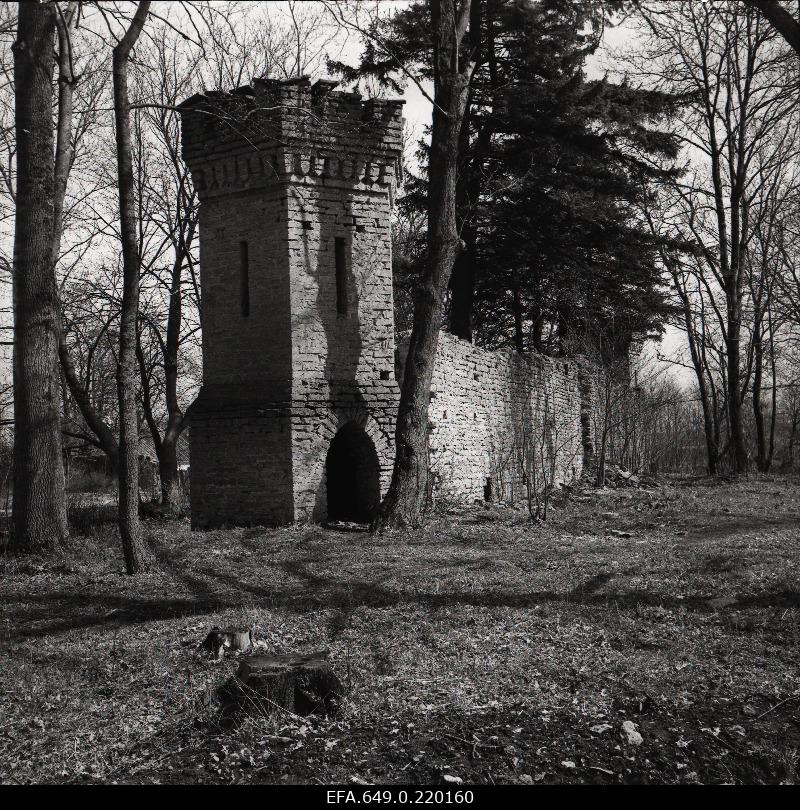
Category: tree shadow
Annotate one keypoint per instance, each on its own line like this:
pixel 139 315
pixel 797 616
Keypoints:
pixel 728 526
pixel 294 585
pixel 109 610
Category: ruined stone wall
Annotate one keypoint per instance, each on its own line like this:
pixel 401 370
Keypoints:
pixel 240 473
pixel 304 177
pixel 296 184
pixel 495 413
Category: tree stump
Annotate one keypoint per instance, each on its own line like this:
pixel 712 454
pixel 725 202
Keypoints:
pixel 219 640
pixel 265 684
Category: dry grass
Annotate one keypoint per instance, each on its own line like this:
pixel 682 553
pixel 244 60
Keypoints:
pixel 483 647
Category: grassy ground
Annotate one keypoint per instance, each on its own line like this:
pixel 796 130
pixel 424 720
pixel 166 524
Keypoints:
pixel 483 647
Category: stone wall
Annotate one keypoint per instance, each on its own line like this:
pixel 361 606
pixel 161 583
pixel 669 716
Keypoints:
pixel 498 418
pixel 296 183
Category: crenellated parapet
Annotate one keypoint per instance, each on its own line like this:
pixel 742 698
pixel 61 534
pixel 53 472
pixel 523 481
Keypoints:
pixel 291 131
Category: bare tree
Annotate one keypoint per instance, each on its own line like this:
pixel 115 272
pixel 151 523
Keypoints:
pixel 452 72
pixel 168 213
pixel 39 507
pixel 545 444
pixel 777 193
pixel 690 303
pixel 81 83
pixel 129 526
pixel 735 72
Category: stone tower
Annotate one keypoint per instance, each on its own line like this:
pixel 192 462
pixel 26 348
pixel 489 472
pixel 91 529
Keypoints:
pixel 295 418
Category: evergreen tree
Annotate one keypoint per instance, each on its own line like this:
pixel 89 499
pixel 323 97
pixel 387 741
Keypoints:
pixel 551 170
pixel 571 164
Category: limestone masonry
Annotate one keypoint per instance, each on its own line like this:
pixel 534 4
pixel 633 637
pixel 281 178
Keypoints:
pixel 295 420
pixel 500 420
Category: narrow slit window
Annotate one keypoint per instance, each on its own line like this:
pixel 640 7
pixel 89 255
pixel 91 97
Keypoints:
pixel 341 275
pixel 244 278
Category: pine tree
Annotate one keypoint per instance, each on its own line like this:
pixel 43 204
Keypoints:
pixel 551 170
pixel 572 163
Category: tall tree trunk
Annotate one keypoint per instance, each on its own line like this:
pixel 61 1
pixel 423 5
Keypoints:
pixel 734 278
pixel 795 424
pixel 519 329
pixel 758 409
pixel 707 400
pixel 470 180
pixel 733 348
pixel 462 277
pixel 39 513
pixel 774 415
pixel 405 500
pixel 65 152
pixel 65 155
pixel 129 526
pixel 711 431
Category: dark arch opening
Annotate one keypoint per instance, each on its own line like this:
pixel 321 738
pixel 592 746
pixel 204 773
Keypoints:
pixel 352 475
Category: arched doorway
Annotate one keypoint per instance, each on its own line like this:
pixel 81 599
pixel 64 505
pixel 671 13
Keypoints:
pixel 352 474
